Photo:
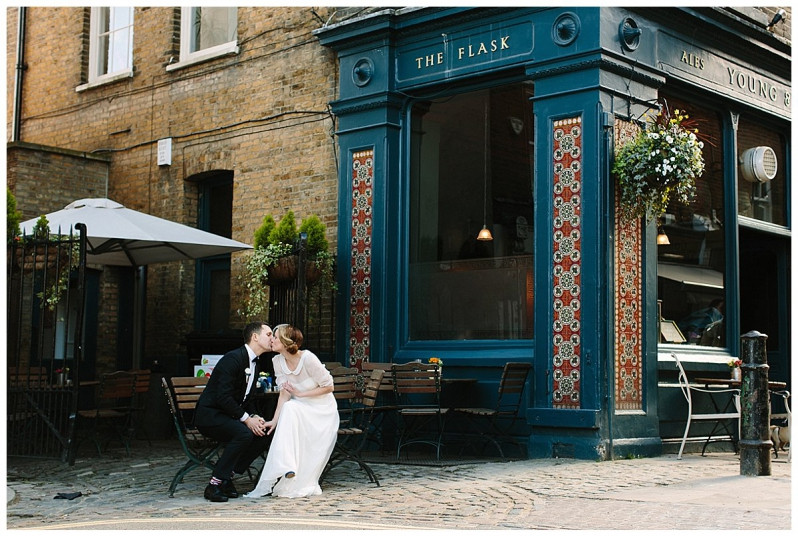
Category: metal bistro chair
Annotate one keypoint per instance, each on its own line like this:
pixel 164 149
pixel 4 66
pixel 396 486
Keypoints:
pixel 422 419
pixel 356 418
pixel 182 394
pixel 494 425
pixel 113 409
pixel 780 433
pixel 720 417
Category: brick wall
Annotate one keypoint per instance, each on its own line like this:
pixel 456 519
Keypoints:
pixel 261 113
pixel 70 175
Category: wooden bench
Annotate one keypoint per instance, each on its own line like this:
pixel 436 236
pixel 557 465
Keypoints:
pixel 182 394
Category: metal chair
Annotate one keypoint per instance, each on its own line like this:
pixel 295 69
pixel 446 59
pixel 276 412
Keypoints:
pixel 112 409
pixel 780 433
pixel 693 414
pixel 494 425
pixel 418 389
pixel 182 394
pixel 356 419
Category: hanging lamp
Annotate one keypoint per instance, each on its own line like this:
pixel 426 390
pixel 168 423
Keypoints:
pixel 485 234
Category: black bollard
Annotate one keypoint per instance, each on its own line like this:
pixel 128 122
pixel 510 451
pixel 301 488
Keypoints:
pixel 755 443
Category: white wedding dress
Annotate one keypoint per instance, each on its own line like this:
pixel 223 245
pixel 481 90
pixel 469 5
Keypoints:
pixel 305 435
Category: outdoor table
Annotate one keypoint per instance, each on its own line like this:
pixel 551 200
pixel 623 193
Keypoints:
pixel 728 382
pixel 457 390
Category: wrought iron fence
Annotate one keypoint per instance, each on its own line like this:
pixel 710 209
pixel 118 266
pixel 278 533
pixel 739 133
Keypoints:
pixel 309 304
pixel 44 308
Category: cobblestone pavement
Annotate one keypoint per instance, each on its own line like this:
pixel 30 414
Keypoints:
pixel 130 492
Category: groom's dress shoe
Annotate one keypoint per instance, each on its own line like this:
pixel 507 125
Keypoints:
pixel 229 490
pixel 214 493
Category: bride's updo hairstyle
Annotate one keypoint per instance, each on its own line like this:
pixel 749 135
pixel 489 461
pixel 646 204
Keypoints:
pixel 290 336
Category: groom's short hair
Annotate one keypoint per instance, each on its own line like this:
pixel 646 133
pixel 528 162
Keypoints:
pixel 251 329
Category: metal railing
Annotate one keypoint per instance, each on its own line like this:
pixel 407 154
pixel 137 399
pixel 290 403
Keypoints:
pixel 44 306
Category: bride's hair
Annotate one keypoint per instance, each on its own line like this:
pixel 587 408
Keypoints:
pixel 290 336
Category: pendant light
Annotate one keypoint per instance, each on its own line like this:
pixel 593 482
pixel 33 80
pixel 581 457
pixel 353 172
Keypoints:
pixel 484 234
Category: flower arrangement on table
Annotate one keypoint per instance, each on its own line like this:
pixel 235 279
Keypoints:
pixel 735 363
pixel 264 381
pixel 64 370
pixel 435 361
pixel 661 163
pixel 61 375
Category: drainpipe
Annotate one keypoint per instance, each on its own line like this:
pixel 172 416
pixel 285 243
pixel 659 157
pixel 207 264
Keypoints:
pixel 19 68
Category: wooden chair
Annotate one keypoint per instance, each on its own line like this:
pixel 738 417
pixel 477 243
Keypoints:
pixel 384 412
pixel 694 414
pixel 182 394
pixel 494 425
pixel 356 412
pixel 139 405
pixel 418 390
pixel 28 377
pixel 112 409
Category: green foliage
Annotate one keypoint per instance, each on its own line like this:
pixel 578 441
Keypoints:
pixel 317 241
pixel 41 230
pixel 13 216
pixel 285 232
pixel 660 164
pixel 262 233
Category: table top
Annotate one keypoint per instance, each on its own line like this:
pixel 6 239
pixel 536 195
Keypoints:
pixel 773 385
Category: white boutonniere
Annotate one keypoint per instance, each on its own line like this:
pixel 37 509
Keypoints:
pixel 247 372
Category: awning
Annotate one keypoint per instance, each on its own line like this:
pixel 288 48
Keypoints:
pixel 691 275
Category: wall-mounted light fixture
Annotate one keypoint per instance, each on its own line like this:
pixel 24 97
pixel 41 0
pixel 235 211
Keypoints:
pixel 777 18
pixel 485 234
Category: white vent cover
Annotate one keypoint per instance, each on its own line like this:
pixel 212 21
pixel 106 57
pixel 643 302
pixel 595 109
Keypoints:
pixel 758 164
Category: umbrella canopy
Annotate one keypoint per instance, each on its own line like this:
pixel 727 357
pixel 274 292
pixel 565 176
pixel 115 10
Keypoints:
pixel 119 236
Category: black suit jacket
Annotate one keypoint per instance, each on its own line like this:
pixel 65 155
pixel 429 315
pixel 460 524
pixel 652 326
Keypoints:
pixel 223 397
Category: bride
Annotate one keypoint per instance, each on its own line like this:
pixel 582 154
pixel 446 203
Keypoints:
pixel 306 420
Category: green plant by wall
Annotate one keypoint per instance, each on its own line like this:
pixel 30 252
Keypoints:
pixel 13 216
pixel 285 232
pixel 317 239
pixel 262 233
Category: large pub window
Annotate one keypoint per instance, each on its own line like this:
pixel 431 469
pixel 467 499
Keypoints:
pixel 691 267
pixel 472 167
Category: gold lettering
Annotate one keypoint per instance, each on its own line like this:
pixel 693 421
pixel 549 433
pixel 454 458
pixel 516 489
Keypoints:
pixel 482 49
pixel 440 58
pixel 418 62
pixel 504 42
pixel 460 52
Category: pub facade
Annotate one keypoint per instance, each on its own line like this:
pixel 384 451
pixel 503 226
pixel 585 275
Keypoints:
pixel 459 124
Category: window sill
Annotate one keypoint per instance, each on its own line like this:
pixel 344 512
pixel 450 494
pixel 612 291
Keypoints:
pixel 105 79
pixel 228 49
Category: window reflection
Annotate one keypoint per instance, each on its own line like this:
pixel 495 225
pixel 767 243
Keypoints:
pixel 691 268
pixel 463 176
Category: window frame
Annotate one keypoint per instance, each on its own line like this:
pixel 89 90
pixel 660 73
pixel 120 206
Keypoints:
pixel 94 78
pixel 189 57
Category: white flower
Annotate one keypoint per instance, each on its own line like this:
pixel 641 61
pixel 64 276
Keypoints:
pixel 247 372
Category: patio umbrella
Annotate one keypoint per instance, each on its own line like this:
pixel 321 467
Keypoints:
pixel 119 236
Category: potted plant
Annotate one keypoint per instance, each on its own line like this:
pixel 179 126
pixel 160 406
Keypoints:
pixel 660 164
pixel 318 257
pixel 281 247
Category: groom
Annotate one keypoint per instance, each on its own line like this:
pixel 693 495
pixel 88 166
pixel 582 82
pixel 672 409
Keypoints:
pixel 226 412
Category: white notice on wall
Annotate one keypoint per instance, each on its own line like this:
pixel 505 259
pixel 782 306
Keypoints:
pixel 165 152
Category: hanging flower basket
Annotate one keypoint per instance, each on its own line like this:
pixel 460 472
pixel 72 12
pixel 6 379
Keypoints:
pixel 283 270
pixel 659 165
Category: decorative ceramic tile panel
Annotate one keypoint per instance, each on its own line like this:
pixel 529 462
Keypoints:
pixel 362 228
pixel 628 299
pixel 567 269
